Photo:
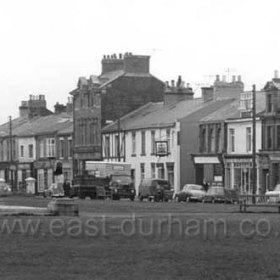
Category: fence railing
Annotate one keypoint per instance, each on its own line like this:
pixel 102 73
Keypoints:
pixel 259 198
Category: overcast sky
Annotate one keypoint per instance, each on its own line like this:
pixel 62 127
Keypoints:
pixel 47 45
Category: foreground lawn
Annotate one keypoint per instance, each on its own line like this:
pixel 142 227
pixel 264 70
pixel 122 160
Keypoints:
pixel 133 240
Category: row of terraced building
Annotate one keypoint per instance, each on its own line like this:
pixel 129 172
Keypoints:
pixel 125 114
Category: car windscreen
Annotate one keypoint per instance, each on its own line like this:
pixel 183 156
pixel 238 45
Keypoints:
pixel 124 180
pixel 164 184
pixel 277 188
pixel 194 188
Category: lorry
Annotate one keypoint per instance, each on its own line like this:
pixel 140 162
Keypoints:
pixel 104 179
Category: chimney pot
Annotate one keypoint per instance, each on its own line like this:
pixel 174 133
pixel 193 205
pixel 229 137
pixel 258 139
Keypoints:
pixel 224 78
pixel 233 78
pixel 239 78
pixel 172 83
pixel 120 56
pixel 276 74
pixel 217 78
pixel 167 84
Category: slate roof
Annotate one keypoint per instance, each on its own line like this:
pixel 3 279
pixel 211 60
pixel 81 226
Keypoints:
pixel 231 111
pixel 154 115
pixel 41 125
pixel 16 123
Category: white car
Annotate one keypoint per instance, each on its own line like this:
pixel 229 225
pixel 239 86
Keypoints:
pixel 273 196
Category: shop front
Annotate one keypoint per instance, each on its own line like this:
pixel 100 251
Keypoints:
pixel 209 168
pixel 239 175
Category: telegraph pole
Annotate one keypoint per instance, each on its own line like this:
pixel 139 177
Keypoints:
pixel 11 150
pixel 254 173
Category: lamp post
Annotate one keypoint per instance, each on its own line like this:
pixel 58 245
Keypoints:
pixel 254 145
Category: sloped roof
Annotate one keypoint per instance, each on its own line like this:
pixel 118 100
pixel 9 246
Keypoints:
pixel 232 111
pixel 16 123
pixel 154 115
pixel 44 125
pixel 67 130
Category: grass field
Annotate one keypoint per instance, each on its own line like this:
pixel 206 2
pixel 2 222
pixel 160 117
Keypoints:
pixel 134 240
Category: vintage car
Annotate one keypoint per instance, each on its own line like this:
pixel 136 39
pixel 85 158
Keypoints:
pixel 273 196
pixel 155 190
pixel 5 189
pixel 220 194
pixel 121 186
pixel 191 192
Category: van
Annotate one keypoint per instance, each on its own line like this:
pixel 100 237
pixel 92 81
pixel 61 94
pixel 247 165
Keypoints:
pixel 155 190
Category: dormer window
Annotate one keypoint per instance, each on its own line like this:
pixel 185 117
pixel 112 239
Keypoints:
pixel 269 103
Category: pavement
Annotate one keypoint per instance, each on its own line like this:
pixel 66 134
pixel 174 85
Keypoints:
pixel 21 210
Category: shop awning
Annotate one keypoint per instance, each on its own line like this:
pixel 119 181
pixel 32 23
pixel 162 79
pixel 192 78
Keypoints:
pixel 206 160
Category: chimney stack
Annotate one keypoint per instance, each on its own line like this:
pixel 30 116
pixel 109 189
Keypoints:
pixel 239 78
pixel 233 78
pixel 276 74
pixel 224 78
pixel 217 78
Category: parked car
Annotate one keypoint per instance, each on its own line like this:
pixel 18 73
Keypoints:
pixel 273 196
pixel 155 189
pixel 5 189
pixel 121 186
pixel 55 190
pixel 191 192
pixel 220 194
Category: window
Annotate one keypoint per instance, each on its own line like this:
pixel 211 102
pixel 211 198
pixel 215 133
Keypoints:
pixel 153 142
pixel 160 169
pixel 212 140
pixel 153 170
pixel 70 148
pixel 248 139
pixel 278 136
pixel 61 148
pixel 50 147
pixel 269 103
pixel 107 146
pixel 231 140
pixel 22 151
pixel 269 137
pixel 170 173
pixel 143 143
pixel 117 146
pixel 133 140
pixel 218 140
pixel 142 170
pixel 41 147
pixel 168 139
pixel 202 139
pixel 30 151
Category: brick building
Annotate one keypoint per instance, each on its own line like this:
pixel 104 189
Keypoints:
pixel 124 85
pixel 270 152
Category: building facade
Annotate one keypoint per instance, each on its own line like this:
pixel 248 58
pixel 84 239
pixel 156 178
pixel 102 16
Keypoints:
pixel 270 152
pixel 125 83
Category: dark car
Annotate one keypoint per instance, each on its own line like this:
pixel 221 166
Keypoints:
pixel 121 186
pixel 220 194
pixel 191 192
pixel 155 190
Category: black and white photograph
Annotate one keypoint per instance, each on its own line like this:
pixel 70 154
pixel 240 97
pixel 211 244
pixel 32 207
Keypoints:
pixel 139 140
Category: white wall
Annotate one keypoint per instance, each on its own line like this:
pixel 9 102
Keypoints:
pixel 240 136
pixel 25 142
